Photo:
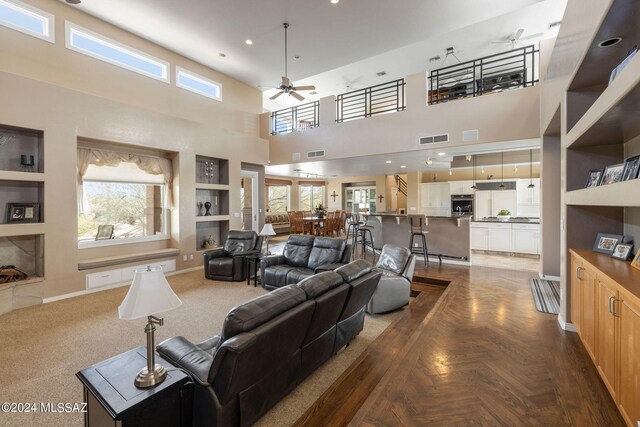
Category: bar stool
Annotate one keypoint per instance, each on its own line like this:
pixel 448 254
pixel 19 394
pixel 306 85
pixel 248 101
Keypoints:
pixel 364 230
pixel 352 230
pixel 418 222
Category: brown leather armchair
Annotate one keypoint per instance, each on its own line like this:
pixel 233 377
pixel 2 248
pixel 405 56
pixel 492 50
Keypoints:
pixel 228 263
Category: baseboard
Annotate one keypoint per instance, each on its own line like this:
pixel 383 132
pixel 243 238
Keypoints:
pixel 565 325
pixel 106 288
pixel 546 277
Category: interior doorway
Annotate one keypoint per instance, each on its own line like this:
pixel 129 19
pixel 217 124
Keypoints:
pixel 249 200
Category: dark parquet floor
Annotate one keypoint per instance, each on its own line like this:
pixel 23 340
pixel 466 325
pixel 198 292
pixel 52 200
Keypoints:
pixel 476 354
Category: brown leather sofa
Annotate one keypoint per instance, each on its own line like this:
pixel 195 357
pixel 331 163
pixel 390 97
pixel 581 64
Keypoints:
pixel 303 256
pixel 268 345
pixel 228 263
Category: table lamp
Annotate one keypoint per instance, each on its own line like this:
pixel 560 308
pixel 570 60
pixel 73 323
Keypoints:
pixel 267 231
pixel 149 294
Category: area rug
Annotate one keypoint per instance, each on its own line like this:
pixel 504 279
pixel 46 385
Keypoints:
pixel 546 295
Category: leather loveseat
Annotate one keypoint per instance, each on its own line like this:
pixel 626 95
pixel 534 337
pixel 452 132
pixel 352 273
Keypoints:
pixel 268 345
pixel 303 256
pixel 227 263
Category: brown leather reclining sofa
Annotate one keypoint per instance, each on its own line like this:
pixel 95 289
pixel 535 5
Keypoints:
pixel 268 345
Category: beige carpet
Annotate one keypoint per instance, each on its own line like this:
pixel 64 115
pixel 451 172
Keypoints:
pixel 42 347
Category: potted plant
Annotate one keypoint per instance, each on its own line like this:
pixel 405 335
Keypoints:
pixel 504 215
pixel 320 211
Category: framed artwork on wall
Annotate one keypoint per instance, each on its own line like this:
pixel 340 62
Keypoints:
pixel 606 243
pixel 18 213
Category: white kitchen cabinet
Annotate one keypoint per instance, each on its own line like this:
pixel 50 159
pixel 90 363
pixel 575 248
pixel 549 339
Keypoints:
pixel 479 236
pixel 525 238
pixel 461 187
pixel 526 195
pixel 499 237
pixel 489 203
pixel 435 198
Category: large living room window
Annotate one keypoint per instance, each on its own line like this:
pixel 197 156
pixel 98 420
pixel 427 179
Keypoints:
pixel 311 194
pixel 277 194
pixel 122 197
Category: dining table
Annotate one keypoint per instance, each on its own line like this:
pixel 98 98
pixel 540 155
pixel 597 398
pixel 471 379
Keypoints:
pixel 312 223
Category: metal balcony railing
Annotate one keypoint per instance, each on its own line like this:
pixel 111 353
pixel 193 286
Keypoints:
pixel 379 99
pixel 295 119
pixel 508 70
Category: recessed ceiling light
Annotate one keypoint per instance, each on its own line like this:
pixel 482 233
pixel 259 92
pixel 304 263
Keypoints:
pixel 610 42
pixel 381 73
pixel 441 154
pixel 73 1
pixel 313 93
pixel 402 166
pixel 249 42
pixel 222 55
pixel 434 58
pixel 388 161
pixel 296 57
pixel 335 1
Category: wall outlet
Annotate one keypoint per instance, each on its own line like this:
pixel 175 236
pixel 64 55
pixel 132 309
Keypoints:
pixel 191 257
pixel 412 208
pixel 184 257
pixel 236 214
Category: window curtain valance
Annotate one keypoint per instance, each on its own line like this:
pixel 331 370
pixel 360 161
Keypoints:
pixel 277 182
pixel 149 164
pixel 315 183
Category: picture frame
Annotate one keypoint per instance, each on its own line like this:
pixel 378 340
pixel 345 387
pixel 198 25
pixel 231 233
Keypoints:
pixel 631 168
pixel 22 213
pixel 622 251
pixel 105 232
pixel 605 243
pixel 616 71
pixel 635 263
pixel 594 178
pixel 612 174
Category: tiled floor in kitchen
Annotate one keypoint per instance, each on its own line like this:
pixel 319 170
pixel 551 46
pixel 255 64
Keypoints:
pixel 506 261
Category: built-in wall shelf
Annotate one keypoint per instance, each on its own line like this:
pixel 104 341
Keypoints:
pixel 626 193
pixel 21 176
pixel 613 117
pixel 200 186
pixel 9 230
pixel 211 218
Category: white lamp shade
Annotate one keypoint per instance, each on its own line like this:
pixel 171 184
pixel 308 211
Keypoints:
pixel 149 294
pixel 267 230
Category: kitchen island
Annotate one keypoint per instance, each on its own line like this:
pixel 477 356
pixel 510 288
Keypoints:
pixel 448 237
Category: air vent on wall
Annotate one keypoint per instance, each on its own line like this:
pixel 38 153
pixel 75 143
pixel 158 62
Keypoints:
pixel 433 139
pixel 470 135
pixel 295 156
pixel 319 153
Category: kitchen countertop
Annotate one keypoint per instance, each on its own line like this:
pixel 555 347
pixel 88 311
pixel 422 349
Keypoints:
pixel 516 220
pixel 392 215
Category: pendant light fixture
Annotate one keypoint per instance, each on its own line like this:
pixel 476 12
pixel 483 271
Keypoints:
pixel 501 186
pixel 474 186
pixel 530 169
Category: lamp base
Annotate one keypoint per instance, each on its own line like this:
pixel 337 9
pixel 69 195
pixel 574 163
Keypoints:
pixel 146 379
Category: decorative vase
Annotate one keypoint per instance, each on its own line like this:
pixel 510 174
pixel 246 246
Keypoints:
pixel 503 217
pixel 200 211
pixel 207 206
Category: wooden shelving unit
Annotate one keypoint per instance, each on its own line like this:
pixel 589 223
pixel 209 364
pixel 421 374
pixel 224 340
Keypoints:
pixel 606 195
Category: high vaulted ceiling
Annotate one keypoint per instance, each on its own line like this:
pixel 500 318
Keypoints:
pixel 341 46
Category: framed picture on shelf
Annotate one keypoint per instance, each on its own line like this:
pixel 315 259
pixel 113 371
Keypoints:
pixel 631 168
pixel 636 261
pixel 606 243
pixel 19 213
pixel 594 177
pixel 612 174
pixel 622 251
pixel 616 71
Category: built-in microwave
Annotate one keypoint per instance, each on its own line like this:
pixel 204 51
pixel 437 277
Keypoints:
pixel 462 204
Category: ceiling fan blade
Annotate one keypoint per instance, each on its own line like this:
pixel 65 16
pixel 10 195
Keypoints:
pixel 297 96
pixel 518 34
pixel 501 42
pixel 285 81
pixel 532 36
pixel 277 95
pixel 310 87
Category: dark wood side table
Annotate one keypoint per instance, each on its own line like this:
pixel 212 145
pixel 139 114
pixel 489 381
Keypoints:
pixel 253 265
pixel 113 400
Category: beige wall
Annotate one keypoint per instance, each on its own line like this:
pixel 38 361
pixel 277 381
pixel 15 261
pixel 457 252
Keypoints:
pixel 69 96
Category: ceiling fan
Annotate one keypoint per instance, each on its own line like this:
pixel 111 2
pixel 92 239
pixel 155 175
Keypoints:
pixel 516 37
pixel 286 86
